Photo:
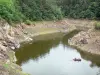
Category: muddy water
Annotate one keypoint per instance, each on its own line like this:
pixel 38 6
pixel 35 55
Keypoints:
pixel 54 56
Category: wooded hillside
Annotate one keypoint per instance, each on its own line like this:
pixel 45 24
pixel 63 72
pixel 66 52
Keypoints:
pixel 22 10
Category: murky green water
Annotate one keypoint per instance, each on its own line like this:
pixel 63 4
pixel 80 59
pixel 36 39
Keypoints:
pixel 53 56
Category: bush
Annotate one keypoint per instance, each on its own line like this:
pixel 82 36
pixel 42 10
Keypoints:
pixel 28 22
pixel 97 25
pixel 9 12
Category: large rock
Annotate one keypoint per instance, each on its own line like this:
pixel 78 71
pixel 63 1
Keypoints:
pixel 7 36
pixel 83 41
pixel 3 71
pixel 3 55
pixel 3 48
pixel 13 43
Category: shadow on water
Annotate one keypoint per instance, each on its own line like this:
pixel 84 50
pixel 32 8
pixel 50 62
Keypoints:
pixel 68 36
pixel 95 59
pixel 37 49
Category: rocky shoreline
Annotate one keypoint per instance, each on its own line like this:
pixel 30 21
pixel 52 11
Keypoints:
pixel 87 41
pixel 12 36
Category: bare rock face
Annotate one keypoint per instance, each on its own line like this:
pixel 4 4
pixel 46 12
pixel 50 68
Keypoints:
pixel 3 71
pixel 3 55
pixel 7 36
pixel 3 48
pixel 1 38
pixel 13 44
pixel 80 39
pixel 4 43
pixel 83 41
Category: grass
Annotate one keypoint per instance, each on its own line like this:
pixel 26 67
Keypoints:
pixel 97 25
pixel 28 22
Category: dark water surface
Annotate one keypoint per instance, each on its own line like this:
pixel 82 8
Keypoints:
pixel 52 56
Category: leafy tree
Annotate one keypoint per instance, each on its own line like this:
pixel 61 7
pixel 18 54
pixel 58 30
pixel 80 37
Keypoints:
pixel 22 10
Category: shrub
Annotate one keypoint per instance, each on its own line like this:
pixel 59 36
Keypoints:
pixel 28 22
pixel 9 12
pixel 97 25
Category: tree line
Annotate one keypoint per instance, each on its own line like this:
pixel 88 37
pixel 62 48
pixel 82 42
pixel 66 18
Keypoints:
pixel 33 10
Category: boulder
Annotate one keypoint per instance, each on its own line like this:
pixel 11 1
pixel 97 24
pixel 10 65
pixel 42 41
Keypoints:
pixel 13 43
pixel 3 71
pixel 83 41
pixel 4 43
pixel 3 48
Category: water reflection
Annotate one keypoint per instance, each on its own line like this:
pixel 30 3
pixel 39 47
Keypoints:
pixel 36 50
pixel 55 57
pixel 95 59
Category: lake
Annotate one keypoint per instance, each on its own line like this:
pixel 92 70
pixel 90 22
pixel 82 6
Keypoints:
pixel 51 55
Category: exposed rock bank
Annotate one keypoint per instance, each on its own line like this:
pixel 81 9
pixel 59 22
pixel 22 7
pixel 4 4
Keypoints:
pixel 87 40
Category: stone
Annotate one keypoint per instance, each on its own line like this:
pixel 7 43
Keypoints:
pixel 3 48
pixel 16 32
pixel 13 44
pixel 12 47
pixel 25 32
pixel 28 38
pixel 1 36
pixel 3 71
pixel 4 43
pixel 84 41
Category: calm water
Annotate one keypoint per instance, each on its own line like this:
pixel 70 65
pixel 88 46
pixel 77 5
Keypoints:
pixel 53 56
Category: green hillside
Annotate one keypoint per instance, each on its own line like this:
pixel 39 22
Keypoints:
pixel 9 3
pixel 34 10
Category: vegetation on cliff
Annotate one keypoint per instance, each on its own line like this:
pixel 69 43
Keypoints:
pixel 22 10
pixel 97 25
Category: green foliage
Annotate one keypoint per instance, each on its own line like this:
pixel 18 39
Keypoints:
pixel 87 14
pixel 9 13
pixel 37 10
pixel 28 22
pixel 80 8
pixel 57 12
pixel 40 10
pixel 6 65
pixel 8 3
pixel 97 25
